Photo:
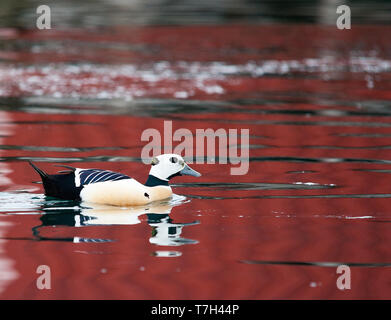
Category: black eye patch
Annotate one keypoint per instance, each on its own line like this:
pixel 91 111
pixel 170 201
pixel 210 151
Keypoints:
pixel 174 160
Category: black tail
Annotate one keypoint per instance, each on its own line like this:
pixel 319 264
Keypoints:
pixel 59 185
pixel 40 172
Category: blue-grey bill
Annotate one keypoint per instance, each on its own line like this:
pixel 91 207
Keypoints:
pixel 190 172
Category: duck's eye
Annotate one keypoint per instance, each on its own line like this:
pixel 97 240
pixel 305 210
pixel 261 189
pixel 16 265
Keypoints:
pixel 174 160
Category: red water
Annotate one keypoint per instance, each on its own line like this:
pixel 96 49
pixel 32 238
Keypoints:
pixel 317 103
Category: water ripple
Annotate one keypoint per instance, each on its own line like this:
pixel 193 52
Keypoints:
pixel 257 186
pixel 205 160
pixel 57 149
pixel 324 196
pixel 328 264
pixel 138 80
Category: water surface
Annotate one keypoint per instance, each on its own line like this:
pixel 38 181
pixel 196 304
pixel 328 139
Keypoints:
pixel 317 104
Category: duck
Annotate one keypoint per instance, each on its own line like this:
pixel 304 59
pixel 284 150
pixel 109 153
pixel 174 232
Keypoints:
pixel 116 189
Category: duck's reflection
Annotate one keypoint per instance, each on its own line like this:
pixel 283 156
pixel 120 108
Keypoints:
pixel 165 232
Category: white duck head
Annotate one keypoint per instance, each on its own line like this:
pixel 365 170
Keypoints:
pixel 167 166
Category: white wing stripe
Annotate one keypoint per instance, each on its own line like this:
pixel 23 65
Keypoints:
pixel 102 177
pixel 88 176
pixel 95 179
pixel 110 177
pixel 77 178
